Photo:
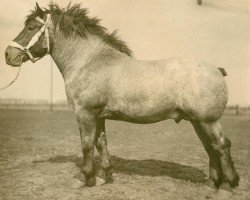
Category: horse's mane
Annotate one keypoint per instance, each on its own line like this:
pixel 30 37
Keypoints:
pixel 73 20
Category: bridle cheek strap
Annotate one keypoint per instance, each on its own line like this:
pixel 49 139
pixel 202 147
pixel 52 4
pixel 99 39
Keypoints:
pixel 35 38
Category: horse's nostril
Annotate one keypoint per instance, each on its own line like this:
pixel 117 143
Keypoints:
pixel 6 55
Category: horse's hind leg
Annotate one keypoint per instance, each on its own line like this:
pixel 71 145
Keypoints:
pixel 221 166
pixel 104 174
pixel 214 162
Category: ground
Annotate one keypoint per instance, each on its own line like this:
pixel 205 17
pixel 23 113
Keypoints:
pixel 40 153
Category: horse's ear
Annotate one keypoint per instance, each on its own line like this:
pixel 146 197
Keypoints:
pixel 39 11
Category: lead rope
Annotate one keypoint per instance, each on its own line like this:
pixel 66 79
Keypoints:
pixel 14 80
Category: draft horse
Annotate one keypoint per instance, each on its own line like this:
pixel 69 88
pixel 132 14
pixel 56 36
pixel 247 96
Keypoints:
pixel 104 81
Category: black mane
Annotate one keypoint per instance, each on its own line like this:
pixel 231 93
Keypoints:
pixel 74 20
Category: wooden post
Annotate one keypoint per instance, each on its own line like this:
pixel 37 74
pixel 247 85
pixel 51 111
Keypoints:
pixel 51 86
pixel 237 110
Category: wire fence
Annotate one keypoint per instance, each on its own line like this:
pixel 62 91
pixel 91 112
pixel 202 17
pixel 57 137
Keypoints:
pixel 237 110
pixel 45 105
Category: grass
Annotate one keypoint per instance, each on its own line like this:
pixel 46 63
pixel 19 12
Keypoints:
pixel 40 153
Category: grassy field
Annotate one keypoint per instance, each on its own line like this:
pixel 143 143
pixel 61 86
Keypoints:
pixel 40 153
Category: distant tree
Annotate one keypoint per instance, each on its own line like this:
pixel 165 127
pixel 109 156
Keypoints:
pixel 199 2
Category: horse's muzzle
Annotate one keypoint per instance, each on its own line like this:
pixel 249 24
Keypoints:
pixel 15 57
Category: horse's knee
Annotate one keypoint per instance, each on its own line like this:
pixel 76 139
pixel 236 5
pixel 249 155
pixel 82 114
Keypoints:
pixel 87 144
pixel 222 144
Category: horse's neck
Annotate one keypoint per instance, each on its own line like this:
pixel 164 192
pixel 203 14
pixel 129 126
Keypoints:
pixel 72 54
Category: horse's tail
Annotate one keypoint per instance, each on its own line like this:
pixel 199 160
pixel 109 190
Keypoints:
pixel 222 70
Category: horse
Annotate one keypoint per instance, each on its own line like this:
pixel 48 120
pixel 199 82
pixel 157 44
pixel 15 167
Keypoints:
pixel 104 81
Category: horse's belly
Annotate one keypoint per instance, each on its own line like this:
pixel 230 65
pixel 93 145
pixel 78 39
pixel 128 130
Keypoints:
pixel 141 119
pixel 141 112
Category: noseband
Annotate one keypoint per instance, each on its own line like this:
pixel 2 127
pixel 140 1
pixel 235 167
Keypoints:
pixel 35 38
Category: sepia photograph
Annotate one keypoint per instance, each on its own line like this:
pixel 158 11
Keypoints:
pixel 124 99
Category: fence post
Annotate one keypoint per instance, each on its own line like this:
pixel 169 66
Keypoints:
pixel 237 110
pixel 51 86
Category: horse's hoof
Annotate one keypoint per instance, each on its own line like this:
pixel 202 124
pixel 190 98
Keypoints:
pixel 226 187
pixel 210 183
pixel 99 181
pixel 216 182
pixel 91 181
pixel 78 184
pixel 224 193
pixel 79 181
pixel 235 182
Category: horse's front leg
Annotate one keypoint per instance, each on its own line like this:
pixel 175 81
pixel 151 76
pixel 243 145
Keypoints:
pixel 87 127
pixel 104 174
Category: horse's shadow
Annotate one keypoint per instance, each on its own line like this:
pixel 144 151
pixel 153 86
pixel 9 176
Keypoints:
pixel 147 167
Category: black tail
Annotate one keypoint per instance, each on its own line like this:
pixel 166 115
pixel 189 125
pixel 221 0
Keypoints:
pixel 222 70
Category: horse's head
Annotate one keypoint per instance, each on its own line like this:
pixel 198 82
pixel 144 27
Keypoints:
pixel 33 41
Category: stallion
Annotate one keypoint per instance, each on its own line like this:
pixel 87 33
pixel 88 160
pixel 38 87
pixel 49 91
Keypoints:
pixel 104 81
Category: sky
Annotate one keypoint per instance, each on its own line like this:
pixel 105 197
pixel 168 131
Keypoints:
pixel 217 32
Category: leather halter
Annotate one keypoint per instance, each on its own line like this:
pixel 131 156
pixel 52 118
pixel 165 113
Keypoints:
pixel 35 38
